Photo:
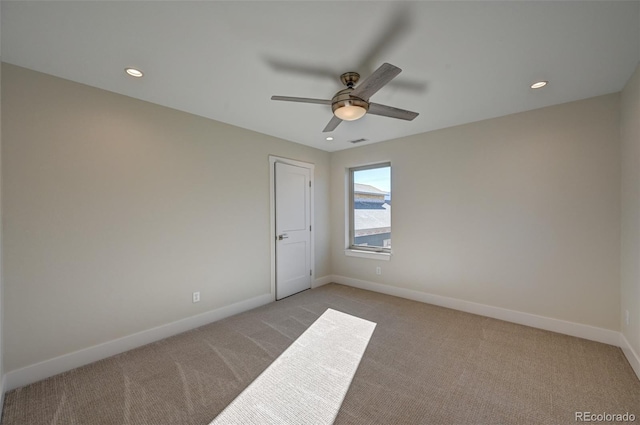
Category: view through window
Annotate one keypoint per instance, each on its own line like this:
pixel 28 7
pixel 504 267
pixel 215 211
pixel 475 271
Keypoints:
pixel 370 199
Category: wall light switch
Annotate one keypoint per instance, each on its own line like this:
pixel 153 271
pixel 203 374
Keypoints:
pixel 196 297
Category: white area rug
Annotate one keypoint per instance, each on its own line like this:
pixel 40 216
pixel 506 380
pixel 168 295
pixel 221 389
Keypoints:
pixel 308 382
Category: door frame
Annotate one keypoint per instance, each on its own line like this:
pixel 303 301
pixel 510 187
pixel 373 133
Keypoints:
pixel 272 214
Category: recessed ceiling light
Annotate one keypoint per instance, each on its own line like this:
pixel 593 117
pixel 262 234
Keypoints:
pixel 329 138
pixel 134 72
pixel 539 84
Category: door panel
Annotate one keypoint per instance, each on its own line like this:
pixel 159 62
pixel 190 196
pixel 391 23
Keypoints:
pixel 293 261
pixel 292 200
pixel 293 233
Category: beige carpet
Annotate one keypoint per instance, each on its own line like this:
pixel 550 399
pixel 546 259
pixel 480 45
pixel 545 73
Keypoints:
pixel 423 365
pixel 307 383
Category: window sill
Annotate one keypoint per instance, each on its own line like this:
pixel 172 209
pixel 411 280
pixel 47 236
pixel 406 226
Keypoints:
pixel 383 256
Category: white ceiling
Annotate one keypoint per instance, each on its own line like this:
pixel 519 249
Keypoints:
pixel 461 61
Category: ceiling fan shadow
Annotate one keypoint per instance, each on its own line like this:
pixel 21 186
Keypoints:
pixel 396 28
pixel 392 33
pixel 298 68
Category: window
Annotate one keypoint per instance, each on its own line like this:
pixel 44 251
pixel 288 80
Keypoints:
pixel 370 208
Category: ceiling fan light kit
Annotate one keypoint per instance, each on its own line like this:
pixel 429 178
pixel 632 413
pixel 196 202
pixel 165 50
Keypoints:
pixel 352 103
pixel 347 107
pixel 350 110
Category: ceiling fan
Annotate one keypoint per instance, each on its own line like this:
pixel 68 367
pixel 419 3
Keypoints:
pixel 353 103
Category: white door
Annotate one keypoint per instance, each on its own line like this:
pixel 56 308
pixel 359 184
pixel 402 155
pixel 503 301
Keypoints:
pixel 293 229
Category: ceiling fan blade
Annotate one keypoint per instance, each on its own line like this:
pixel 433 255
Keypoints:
pixel 390 111
pixel 302 100
pixel 376 81
pixel 335 121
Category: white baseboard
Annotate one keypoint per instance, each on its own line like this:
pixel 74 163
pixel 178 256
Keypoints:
pixel 322 281
pixel 630 354
pixel 36 372
pixel 48 368
pixel 592 333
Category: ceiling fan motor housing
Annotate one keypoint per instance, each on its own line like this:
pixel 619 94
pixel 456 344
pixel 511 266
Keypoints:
pixel 344 98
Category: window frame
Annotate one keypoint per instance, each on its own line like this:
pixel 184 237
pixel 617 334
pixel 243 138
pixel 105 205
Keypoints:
pixel 351 246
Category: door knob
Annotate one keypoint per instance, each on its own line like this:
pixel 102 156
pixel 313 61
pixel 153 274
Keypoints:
pixel 283 236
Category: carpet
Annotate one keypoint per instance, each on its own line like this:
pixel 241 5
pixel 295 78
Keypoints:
pixel 308 382
pixel 424 364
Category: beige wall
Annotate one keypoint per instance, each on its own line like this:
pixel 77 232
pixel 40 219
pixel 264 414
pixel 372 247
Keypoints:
pixel 116 210
pixel 1 273
pixel 630 136
pixel 520 212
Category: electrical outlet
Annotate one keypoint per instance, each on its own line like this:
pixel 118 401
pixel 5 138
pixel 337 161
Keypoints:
pixel 378 270
pixel 196 297
pixel 626 317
